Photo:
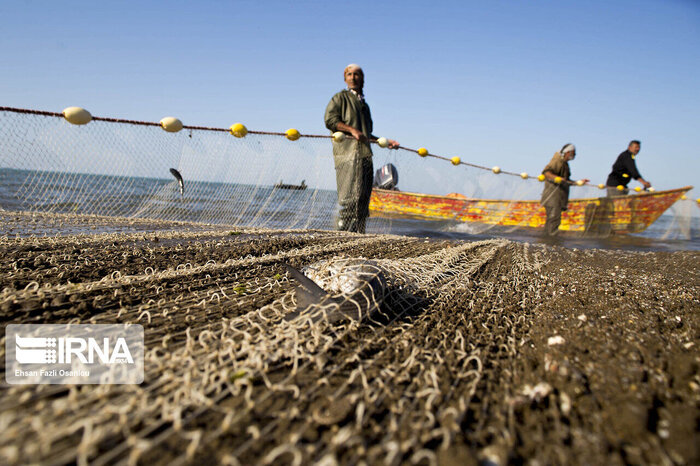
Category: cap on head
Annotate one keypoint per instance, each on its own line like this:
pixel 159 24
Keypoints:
pixel 567 148
pixel 353 66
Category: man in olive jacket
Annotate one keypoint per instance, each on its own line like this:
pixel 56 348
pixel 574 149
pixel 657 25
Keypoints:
pixel 348 113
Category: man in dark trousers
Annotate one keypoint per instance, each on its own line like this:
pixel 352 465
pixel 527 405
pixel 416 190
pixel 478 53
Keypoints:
pixel 555 195
pixel 623 170
pixel 348 112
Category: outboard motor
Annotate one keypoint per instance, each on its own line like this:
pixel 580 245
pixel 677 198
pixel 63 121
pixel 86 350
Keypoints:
pixel 386 177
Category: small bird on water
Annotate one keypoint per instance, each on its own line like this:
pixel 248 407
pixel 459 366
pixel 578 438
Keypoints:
pixel 179 179
pixel 356 290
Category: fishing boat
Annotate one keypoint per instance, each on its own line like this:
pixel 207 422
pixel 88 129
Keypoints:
pixel 620 214
pixel 301 186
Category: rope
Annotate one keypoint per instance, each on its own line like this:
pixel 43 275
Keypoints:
pixel 226 130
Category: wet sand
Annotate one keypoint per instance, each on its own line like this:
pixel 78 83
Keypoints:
pixel 492 352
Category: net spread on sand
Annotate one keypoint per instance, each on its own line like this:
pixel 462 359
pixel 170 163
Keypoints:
pixel 502 351
pixel 221 356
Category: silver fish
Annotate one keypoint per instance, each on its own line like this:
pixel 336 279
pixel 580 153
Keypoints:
pixel 179 179
pixel 354 290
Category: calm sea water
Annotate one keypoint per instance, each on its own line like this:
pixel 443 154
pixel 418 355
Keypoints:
pixel 264 206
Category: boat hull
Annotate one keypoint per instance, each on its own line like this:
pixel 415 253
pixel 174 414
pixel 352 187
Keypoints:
pixel 622 214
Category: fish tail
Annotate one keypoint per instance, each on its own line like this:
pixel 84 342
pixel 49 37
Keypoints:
pixel 308 292
pixel 179 179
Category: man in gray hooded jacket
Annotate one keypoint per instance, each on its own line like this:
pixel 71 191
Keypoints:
pixel 348 113
pixel 555 196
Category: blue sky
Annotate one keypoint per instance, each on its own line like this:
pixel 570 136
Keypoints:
pixel 495 82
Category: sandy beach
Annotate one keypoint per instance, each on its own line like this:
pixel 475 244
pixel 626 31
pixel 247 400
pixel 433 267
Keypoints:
pixel 488 352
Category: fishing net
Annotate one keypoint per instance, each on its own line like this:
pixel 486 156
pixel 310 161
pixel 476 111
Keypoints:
pixel 123 168
pixel 436 367
pixel 228 377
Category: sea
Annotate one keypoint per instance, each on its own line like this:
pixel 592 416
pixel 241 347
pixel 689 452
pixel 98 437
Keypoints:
pixel 265 206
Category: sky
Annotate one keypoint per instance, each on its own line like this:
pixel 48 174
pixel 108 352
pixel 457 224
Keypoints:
pixel 499 82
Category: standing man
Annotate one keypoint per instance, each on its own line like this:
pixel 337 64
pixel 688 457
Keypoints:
pixel 555 195
pixel 623 170
pixel 348 112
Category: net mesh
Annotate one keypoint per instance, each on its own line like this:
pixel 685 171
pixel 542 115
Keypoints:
pixel 113 169
pixel 122 168
pixel 220 353
pixel 438 370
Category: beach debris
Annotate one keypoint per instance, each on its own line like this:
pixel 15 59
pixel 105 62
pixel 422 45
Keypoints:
pixel 537 393
pixel 179 179
pixel 330 411
pixel 493 455
pixel 564 403
pixel 555 340
pixel 354 289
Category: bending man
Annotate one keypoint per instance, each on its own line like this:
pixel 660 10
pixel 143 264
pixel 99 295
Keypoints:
pixel 555 195
pixel 623 170
pixel 349 113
